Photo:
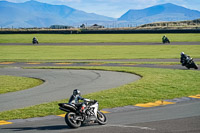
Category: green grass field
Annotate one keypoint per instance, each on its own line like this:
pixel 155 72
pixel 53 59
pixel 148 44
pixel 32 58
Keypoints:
pixel 12 83
pixel 52 53
pixel 156 84
pixel 91 38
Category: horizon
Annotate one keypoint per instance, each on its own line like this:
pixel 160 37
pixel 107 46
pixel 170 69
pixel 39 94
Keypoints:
pixel 115 8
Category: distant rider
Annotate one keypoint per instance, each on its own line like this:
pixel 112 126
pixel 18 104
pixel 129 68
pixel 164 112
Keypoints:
pixel 74 99
pixel 184 59
pixel 35 40
pixel 165 39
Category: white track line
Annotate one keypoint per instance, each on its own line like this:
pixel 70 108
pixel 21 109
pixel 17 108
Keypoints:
pixel 124 126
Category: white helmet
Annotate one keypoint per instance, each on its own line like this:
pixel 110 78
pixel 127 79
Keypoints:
pixel 182 53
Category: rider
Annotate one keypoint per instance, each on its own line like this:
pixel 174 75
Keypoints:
pixel 74 99
pixel 184 59
pixel 35 39
pixel 164 37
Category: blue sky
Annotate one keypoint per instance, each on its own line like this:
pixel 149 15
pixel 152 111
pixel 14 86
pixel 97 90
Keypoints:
pixel 116 8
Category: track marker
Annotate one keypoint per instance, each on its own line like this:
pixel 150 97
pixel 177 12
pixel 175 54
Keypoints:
pixel 95 63
pixel 6 63
pixel 63 63
pixel 196 96
pixel 5 122
pixel 33 63
pixel 157 103
pixel 105 112
pixel 62 115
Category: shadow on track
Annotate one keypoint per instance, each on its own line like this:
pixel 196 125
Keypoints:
pixel 49 128
pixel 43 128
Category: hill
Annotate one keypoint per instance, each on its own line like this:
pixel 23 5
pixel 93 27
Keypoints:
pixel 159 13
pixel 189 24
pixel 36 14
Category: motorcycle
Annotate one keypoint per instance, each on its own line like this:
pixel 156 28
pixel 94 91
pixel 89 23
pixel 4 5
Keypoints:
pixel 35 41
pixel 189 63
pixel 165 40
pixel 86 112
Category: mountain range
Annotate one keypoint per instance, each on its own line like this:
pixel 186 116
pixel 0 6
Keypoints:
pixel 160 13
pixel 37 14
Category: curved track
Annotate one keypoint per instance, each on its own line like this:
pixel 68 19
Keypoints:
pixel 59 84
pixel 182 117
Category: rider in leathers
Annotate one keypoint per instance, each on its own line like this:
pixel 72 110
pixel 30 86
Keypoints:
pixel 184 59
pixel 74 99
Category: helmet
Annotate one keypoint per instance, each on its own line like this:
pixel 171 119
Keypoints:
pixel 182 53
pixel 76 92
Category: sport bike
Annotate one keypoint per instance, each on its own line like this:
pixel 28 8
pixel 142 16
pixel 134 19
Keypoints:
pixel 165 40
pixel 35 41
pixel 83 113
pixel 189 63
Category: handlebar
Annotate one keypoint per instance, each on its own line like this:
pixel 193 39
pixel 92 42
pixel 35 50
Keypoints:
pixel 90 101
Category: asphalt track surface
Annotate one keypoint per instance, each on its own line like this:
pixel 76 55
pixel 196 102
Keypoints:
pixel 183 117
pixel 59 84
pixel 111 43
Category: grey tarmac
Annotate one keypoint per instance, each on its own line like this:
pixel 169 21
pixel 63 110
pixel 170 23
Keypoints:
pixel 183 117
pixel 107 43
pixel 59 84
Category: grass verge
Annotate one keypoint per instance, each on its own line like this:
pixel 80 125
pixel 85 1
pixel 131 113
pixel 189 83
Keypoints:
pixel 156 84
pixel 13 83
pixel 40 53
pixel 91 38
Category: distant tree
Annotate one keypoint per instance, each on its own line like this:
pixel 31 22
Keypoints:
pixel 82 26
pixel 60 27
pixel 95 25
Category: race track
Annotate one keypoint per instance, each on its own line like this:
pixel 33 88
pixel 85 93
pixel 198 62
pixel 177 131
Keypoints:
pixel 182 117
pixel 59 84
pixel 110 43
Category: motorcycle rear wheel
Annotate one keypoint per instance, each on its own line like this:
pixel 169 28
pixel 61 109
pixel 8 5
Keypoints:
pixel 101 118
pixel 70 119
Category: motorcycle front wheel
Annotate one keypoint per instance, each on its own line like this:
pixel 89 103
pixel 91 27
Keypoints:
pixel 70 119
pixel 101 118
pixel 195 66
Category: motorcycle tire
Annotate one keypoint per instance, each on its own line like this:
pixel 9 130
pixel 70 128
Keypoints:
pixel 70 120
pixel 101 118
pixel 187 67
pixel 195 66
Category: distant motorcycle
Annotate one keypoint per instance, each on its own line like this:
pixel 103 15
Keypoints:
pixel 35 41
pixel 165 40
pixel 88 113
pixel 189 63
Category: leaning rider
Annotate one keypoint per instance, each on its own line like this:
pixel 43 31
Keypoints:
pixel 184 58
pixel 164 37
pixel 74 99
pixel 34 39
